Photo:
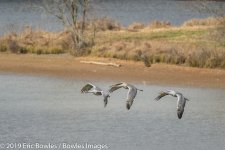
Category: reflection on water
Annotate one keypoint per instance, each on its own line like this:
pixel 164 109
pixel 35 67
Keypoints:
pixel 51 110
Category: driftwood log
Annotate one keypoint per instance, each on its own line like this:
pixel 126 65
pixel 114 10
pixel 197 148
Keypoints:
pixel 101 63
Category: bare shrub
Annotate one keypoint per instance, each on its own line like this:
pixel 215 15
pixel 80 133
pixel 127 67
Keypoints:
pixel 146 60
pixel 159 24
pixel 13 46
pixel 136 26
pixel 22 50
pixel 106 23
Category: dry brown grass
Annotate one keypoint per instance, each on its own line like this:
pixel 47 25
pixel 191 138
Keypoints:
pixel 191 44
pixel 211 21
pixel 106 23
pixel 159 24
pixel 146 51
pixel 185 46
pixel 207 58
pixel 155 52
pixel 30 41
pixel 136 26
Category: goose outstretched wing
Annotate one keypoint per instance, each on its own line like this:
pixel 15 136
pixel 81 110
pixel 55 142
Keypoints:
pixel 131 94
pixel 161 94
pixel 115 87
pixel 87 88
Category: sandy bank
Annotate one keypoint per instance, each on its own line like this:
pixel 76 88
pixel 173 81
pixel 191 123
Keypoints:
pixel 67 66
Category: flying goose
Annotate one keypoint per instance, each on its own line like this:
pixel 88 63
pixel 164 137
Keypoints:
pixel 131 94
pixel 181 100
pixel 90 88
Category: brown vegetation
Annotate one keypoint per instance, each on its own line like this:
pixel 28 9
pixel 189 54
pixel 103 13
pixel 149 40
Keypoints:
pixel 29 41
pixel 191 44
pixel 106 23
pixel 136 26
pixel 159 24
pixel 204 22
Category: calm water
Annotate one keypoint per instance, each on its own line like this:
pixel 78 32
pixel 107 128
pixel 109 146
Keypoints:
pixel 16 13
pixel 50 110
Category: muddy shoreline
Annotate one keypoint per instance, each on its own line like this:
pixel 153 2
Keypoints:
pixel 66 66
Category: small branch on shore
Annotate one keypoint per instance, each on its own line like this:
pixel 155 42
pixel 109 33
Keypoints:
pixel 101 63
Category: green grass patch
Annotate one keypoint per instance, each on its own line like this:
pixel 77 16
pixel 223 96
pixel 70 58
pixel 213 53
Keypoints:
pixel 158 35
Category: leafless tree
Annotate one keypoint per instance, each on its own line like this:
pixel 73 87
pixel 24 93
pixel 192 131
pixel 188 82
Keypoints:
pixel 73 15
